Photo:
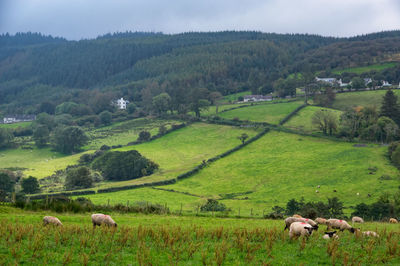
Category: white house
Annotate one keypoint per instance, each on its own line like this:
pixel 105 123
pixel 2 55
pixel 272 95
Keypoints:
pixel 256 98
pixel 326 80
pixel 367 81
pixel 121 103
pixel 9 119
pixel 385 83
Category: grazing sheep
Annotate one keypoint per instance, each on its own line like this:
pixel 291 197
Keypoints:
pixel 334 190
pixel 339 224
pixel 370 233
pixel 320 220
pixel 290 220
pixel 297 216
pixel 393 221
pixel 51 220
pixel 357 219
pixel 300 229
pixel 317 191
pixel 318 186
pixel 358 194
pixel 329 235
pixel 99 219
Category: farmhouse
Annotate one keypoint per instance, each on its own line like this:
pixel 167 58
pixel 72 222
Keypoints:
pixel 326 80
pixel 121 103
pixel 257 98
pixel 9 119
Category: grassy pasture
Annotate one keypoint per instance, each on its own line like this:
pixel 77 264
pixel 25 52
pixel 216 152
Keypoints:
pixel 270 113
pixel 166 240
pixel 360 70
pixel 16 125
pixel 302 120
pixel 347 100
pixel 183 149
pixel 281 166
pixel 212 109
pixel 234 97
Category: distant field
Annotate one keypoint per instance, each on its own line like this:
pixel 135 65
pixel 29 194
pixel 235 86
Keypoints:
pixel 183 240
pixel 183 149
pixel 124 132
pixel 302 120
pixel 282 166
pixel 234 97
pixel 360 70
pixel 212 109
pixel 347 100
pixel 15 125
pixel 270 113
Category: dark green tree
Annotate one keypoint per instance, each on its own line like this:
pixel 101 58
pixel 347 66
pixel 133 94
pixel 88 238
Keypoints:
pixel 161 103
pixel 124 165
pixel 390 108
pixel 68 139
pixel 357 83
pixel 45 119
pixel 30 185
pixel 6 182
pixel 41 135
pixel 78 178
pixel 144 135
pixel 105 118
pixel 243 137
pixel 131 108
pixel 6 137
pixel 47 107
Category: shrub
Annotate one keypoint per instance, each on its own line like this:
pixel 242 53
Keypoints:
pixel 30 185
pixel 213 205
pixel 124 165
pixel 78 178
pixel 144 136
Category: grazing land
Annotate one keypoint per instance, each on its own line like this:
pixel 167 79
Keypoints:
pixel 159 240
pixel 282 166
pixel 302 121
pixel 234 97
pixel 15 125
pixel 364 69
pixel 268 112
pixel 348 100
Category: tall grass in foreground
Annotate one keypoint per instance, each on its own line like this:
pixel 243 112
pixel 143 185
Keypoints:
pixel 190 244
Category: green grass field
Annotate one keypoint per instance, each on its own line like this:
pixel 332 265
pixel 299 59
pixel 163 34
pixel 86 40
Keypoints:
pixel 183 149
pixel 360 70
pixel 302 120
pixel 234 97
pixel 175 240
pixel 270 113
pixel 16 125
pixel 212 109
pixel 282 166
pixel 347 100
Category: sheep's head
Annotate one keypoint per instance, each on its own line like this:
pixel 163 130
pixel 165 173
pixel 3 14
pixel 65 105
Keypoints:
pixel 331 234
pixel 315 227
pixel 309 229
pixel 353 230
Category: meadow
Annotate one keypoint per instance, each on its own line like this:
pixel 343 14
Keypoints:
pixel 177 240
pixel 348 100
pixel 364 69
pixel 266 112
pixel 282 166
pixel 16 125
pixel 302 121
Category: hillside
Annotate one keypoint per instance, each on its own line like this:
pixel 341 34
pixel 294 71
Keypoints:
pixel 36 68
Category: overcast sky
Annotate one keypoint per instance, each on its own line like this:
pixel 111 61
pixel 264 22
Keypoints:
pixel 77 19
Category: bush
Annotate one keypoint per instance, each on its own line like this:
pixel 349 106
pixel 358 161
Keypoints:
pixel 30 185
pixel 144 136
pixel 78 178
pixel 213 205
pixel 124 165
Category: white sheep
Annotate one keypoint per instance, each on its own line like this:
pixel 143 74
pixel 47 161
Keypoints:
pixel 51 220
pixel 329 235
pixel 320 220
pixel 317 191
pixel 99 219
pixel 339 224
pixel 393 221
pixel 290 220
pixel 300 229
pixel 370 233
pixel 319 186
pixel 357 219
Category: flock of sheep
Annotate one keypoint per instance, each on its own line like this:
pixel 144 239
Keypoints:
pixel 97 219
pixel 299 226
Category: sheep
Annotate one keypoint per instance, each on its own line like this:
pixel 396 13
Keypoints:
pixel 329 235
pixel 319 186
pixel 339 224
pixel 297 216
pixel 317 191
pixel 358 194
pixel 320 220
pixel 51 220
pixel 393 221
pixel 357 219
pixel 370 233
pixel 99 219
pixel 290 220
pixel 300 229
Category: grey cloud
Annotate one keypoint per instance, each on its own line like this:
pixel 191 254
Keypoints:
pixel 77 19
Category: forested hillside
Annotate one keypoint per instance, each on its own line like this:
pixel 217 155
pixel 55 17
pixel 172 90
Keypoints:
pixel 36 68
